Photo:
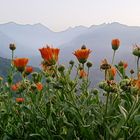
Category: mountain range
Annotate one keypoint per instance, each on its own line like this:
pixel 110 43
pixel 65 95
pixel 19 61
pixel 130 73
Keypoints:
pixel 29 38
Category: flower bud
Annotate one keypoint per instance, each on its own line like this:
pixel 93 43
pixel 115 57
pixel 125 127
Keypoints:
pixel 95 91
pixel 83 47
pixel 61 68
pixel 33 87
pixel 71 62
pixel 131 71
pixel 115 44
pixel 12 47
pixel 34 74
pixel 48 80
pixel 19 100
pixel 105 65
pixel 89 64
pixel 136 50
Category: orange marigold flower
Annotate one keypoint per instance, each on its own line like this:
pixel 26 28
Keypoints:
pixel 82 54
pixel 50 55
pixel 138 84
pixel 125 65
pixel 82 74
pixel 112 73
pixel 15 87
pixel 19 100
pixel 28 70
pixel 115 44
pixel 20 63
pixel 39 86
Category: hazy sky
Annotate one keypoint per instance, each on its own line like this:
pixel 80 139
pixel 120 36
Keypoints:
pixel 60 14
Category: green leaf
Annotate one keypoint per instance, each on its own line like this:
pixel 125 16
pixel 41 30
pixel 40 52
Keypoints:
pixel 35 135
pixel 137 119
pixel 123 111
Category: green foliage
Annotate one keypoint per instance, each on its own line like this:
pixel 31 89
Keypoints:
pixel 51 105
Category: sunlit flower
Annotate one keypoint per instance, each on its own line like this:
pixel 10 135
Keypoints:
pixel 28 70
pixel 19 100
pixel 50 55
pixel 20 63
pixel 39 86
pixel 82 54
pixel 115 44
pixel 82 74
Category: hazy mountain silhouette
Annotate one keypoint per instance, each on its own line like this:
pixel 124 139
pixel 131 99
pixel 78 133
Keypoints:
pixel 32 37
pixel 97 37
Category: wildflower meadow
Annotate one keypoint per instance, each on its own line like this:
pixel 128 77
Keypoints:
pixel 51 104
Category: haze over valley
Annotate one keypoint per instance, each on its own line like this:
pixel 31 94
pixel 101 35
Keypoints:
pixel 29 38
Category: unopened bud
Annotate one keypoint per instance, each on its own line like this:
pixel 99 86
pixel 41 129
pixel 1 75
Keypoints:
pixel 131 71
pixel 89 64
pixel 61 68
pixel 12 47
pixel 83 47
pixel 71 62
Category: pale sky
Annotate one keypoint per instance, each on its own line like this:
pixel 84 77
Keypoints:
pixel 61 14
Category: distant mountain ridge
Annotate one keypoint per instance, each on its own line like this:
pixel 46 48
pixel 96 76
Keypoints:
pixel 29 38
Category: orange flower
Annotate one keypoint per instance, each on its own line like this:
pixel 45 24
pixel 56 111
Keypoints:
pixel 20 63
pixel 15 87
pixel 39 86
pixel 82 74
pixel 137 84
pixel 19 100
pixel 125 65
pixel 112 73
pixel 28 70
pixel 115 44
pixel 50 55
pixel 82 54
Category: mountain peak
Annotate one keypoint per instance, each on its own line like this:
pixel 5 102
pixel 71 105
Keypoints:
pixel 41 26
pixel 10 23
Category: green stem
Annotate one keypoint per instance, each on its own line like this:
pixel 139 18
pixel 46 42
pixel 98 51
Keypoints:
pixel 113 57
pixel 83 66
pixel 105 74
pixel 106 103
pixel 12 55
pixel 88 75
pixel 138 65
pixel 136 105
